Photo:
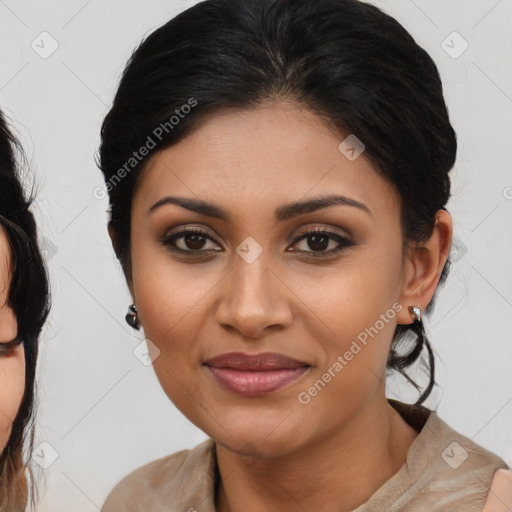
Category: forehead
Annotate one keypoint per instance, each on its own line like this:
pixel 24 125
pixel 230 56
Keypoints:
pixel 260 159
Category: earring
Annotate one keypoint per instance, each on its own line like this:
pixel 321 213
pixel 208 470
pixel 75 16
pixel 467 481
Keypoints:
pixel 416 313
pixel 132 318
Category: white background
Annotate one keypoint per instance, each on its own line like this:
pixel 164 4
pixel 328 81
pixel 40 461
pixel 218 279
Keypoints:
pixel 101 411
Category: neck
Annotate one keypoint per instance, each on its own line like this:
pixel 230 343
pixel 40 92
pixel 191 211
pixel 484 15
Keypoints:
pixel 337 473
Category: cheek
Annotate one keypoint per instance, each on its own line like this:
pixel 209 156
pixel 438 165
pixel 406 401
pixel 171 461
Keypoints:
pixel 356 307
pixel 169 293
pixel 8 324
pixel 170 298
pixel 12 386
pixel 354 295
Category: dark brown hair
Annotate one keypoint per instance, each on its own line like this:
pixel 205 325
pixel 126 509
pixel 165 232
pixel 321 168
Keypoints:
pixel 28 296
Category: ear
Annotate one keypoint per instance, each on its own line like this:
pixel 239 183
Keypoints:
pixel 423 267
pixel 112 233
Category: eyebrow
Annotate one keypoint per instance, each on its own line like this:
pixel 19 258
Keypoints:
pixel 284 212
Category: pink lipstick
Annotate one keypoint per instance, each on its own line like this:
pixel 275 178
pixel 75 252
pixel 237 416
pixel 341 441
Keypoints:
pixel 254 375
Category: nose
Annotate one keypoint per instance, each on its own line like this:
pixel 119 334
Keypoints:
pixel 253 299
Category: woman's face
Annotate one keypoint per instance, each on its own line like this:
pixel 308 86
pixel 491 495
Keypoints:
pixel 252 283
pixel 12 366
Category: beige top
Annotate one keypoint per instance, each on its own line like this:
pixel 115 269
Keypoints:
pixel 444 471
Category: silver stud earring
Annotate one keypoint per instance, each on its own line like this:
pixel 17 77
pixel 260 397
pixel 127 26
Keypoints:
pixel 416 313
pixel 132 318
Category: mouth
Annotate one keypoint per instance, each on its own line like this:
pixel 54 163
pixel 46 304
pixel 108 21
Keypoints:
pixel 255 375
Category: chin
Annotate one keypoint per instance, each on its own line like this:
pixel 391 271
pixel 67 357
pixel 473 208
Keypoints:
pixel 259 442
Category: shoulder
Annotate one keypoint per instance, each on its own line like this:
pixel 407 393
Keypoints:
pixel 159 484
pixel 499 498
pixel 462 470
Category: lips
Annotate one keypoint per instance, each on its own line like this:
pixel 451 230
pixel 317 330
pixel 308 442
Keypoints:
pixel 253 375
pixel 255 362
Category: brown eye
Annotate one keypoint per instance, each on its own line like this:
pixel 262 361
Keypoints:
pixel 318 241
pixel 192 240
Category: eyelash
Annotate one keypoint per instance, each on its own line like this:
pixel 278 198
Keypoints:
pixel 344 242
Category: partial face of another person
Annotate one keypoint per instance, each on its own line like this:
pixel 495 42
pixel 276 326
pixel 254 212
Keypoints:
pixel 253 282
pixel 12 365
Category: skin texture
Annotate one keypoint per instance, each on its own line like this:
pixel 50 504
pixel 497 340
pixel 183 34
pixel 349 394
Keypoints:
pixel 275 453
pixel 499 498
pixel 12 366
